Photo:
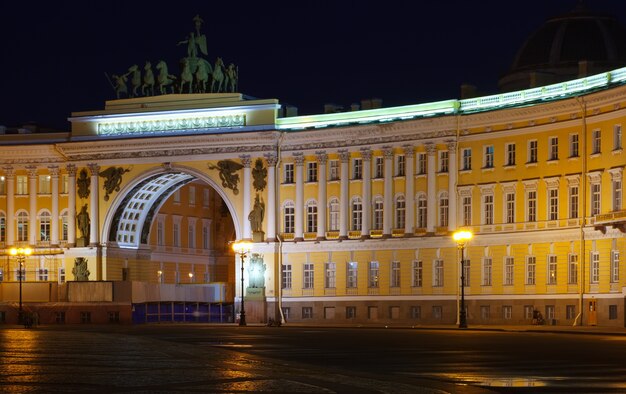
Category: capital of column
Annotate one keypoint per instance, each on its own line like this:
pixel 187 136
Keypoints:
pixel 409 151
pixel 322 157
pixel 366 154
pixel 246 161
pixel 388 152
pixel 344 155
pixel 32 171
pixel 9 171
pixel 94 169
pixel 71 170
pixel 54 171
pixel 271 158
pixel 431 148
pixel 299 158
pixel 451 145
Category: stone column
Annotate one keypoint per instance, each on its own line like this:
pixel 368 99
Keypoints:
pixel 94 210
pixel 431 216
pixel 10 219
pixel 409 220
pixel 54 225
pixel 32 205
pixel 452 177
pixel 344 197
pixel 299 211
pixel 322 159
pixel 271 196
pixel 366 155
pixel 388 208
pixel 71 204
pixel 247 174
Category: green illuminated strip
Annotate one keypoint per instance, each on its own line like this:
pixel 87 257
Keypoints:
pixel 166 125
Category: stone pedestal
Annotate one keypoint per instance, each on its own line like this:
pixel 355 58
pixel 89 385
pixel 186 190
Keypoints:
pixel 82 242
pixel 256 306
pixel 258 236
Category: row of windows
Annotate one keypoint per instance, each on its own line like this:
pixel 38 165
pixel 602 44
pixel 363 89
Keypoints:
pixel 40 274
pixel 45 223
pixel 176 235
pixel 417 272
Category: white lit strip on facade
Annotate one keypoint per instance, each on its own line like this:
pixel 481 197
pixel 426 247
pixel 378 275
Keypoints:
pixel 164 125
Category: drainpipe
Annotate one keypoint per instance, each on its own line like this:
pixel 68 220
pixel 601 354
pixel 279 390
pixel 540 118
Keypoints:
pixel 277 221
pixel 458 169
pixel 583 193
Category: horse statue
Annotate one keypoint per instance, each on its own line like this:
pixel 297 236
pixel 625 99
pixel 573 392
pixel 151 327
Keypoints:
pixel 135 79
pixel 202 75
pixel 164 78
pixel 186 77
pixel 148 80
pixel 232 75
pixel 218 76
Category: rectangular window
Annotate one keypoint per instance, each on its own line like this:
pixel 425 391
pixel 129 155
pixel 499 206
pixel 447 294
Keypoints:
pixel 443 161
pixel 311 218
pixel 307 312
pixel 438 273
pixel 416 312
pixel 529 312
pixel 1 275
pixel 554 148
pixel 422 210
pixel 467 159
pixel 573 145
pixel 3 187
pixel 287 312
pixel 177 196
pixel 595 199
pixel 378 214
pixel 22 185
pixel 596 142
pixel 507 312
pixel 400 165
pixel 595 267
pixel 395 274
pixel 357 168
pixel 114 316
pixel 552 269
pixel 570 312
pixel 485 312
pixel 191 235
pixel 286 276
pixel 612 312
pixel 617 194
pixel 550 314
pixel 530 270
pixel 205 237
pixel 443 211
pixel 308 276
pixel 288 173
pixel 573 202
pixel 467 211
pixel 59 317
pixel 553 203
pixel 421 163
pixel 44 184
pixel 437 312
pixel 192 196
pixel 85 317
pixel 510 154
pixel 531 214
pixel 289 219
pixel 374 267
pixel 509 270
pixel 379 167
pixel 333 170
pixel 350 312
pixel 42 274
pixel 333 213
pixel 488 208
pixel 206 196
pixel 329 281
pixel 617 137
pixel 572 269
pixel 510 207
pixel 487 270
pixel 357 215
pixel 351 275
pixel 417 274
pixel 615 266
pixel 488 160
pixel 175 235
pixel 400 213
pixel 532 151
pixel 311 171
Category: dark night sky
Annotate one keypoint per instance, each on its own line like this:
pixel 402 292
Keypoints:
pixel 305 53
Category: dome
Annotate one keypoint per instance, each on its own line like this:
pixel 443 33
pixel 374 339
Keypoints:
pixel 566 47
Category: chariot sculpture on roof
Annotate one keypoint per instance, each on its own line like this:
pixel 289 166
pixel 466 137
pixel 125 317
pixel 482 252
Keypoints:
pixel 197 75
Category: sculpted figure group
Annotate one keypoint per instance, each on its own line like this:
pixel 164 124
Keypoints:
pixel 197 74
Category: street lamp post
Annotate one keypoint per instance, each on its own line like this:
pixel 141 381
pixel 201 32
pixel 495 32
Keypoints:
pixel 461 238
pixel 20 254
pixel 243 248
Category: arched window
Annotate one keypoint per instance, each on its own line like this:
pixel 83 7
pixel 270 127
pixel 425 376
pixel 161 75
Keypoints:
pixel 443 209
pixel 357 214
pixel 311 217
pixel 377 223
pixel 422 211
pixel 44 226
pixel 22 226
pixel 400 212
pixel 289 217
pixel 333 215
pixel 64 225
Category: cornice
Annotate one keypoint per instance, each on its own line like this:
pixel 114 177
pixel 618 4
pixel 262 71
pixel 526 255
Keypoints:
pixel 30 154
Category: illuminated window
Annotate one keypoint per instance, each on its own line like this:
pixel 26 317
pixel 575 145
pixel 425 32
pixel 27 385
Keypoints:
pixel 552 269
pixel 572 269
pixel 22 185
pixel 329 281
pixel 373 270
pixel 44 184
pixel 351 274
pixel 418 273
pixel 395 274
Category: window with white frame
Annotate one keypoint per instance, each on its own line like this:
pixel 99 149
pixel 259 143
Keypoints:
pixel 487 270
pixel 507 312
pixel 615 266
pixel 485 312
pixel 488 209
pixel 357 168
pixel 44 184
pixel 373 271
pixel 44 226
pixel 531 206
pixel 311 217
pixel 488 156
pixel 595 199
pixel 400 212
pixel 595 267
pixel 573 202
pixel 570 312
pixel 467 270
pixel 553 204
pixel 176 234
pixel 422 210
pixel 443 161
pixel 395 274
pixel 532 151
pixel 553 153
pixel 333 170
pixel 572 269
pixel 416 312
pixel 379 167
pixel 421 163
pixel 329 281
pixel 552 269
pixel 400 165
pixel 160 232
pixel 192 196
pixel 617 194
pixel 205 237
pixel 286 276
pixel 418 272
pixel 596 142
pixel 308 276
pixel 351 274
pixel 531 269
pixel 42 274
pixel 333 214
pixel 617 137
pixel 466 159
pixel 510 207
pixel 176 196
pixel 61 278
pixel 377 223
pixel 510 154
pixel 573 145
pixel 438 273
pixel 289 217
pixel 311 171
pixel 467 211
pixel 509 270
pixel 357 214
pixel 191 235
pixel 307 312
pixel 22 226
pixel 21 185
pixel 443 210
pixel 288 178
